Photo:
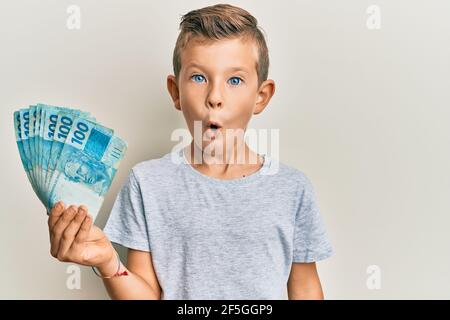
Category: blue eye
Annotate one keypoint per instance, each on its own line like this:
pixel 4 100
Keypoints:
pixel 235 81
pixel 198 77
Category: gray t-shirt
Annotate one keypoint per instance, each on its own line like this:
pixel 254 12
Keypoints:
pixel 219 239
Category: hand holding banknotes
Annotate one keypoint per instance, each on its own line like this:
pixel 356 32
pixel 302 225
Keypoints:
pixel 74 238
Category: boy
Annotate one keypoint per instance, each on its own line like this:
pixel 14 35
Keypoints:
pixel 204 229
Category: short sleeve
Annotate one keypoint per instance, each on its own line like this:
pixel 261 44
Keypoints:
pixel 311 242
pixel 127 224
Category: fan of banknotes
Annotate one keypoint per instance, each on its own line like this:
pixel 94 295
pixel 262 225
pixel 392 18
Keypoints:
pixel 67 155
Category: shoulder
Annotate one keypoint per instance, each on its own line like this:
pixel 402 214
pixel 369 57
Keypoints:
pixel 154 170
pixel 293 186
pixel 292 177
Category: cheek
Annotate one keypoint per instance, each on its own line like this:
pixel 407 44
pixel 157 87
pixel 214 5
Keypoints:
pixel 192 106
pixel 191 94
pixel 242 106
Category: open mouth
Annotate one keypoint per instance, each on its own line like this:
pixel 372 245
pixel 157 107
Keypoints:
pixel 213 125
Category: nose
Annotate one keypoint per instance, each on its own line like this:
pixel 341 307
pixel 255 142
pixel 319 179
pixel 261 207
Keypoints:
pixel 214 99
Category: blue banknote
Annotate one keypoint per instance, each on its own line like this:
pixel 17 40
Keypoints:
pixel 67 155
pixel 87 165
pixel 21 140
pixel 57 124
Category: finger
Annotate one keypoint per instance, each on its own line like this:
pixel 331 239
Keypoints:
pixel 70 232
pixel 55 213
pixel 59 227
pixel 85 228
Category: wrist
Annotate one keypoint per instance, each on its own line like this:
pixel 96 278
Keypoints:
pixel 110 267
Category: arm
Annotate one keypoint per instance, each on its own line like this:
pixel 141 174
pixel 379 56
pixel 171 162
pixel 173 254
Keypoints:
pixel 141 281
pixel 304 282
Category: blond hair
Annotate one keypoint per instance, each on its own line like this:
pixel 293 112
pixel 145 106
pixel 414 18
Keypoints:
pixel 218 22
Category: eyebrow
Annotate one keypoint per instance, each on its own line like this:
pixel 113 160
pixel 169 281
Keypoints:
pixel 195 65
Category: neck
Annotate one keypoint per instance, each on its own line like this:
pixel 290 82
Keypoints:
pixel 241 162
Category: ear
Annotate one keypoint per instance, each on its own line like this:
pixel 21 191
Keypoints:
pixel 265 92
pixel 172 87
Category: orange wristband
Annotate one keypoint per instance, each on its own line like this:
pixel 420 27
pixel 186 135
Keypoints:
pixel 117 274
